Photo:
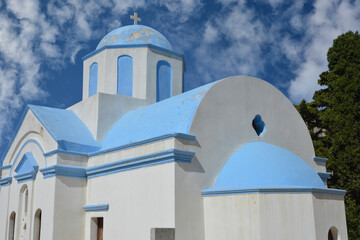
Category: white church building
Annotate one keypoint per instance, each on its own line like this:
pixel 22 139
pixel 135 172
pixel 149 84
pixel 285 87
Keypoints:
pixel 138 158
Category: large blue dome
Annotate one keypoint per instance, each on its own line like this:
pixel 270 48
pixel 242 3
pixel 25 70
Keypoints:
pixel 135 35
pixel 259 165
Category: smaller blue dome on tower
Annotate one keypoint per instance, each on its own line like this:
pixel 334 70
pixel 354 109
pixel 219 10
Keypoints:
pixel 135 35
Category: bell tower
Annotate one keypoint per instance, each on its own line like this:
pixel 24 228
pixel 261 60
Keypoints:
pixel 135 61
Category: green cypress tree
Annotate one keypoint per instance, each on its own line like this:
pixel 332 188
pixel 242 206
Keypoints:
pixel 337 111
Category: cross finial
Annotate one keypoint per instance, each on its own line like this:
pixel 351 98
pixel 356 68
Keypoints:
pixel 135 18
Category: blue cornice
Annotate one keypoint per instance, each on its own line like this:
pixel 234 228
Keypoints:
pixel 320 160
pixel 126 146
pixel 67 171
pixel 96 208
pixel 5 167
pixel 324 176
pixel 5 181
pixel 222 192
pixel 27 168
pixel 25 177
pixel 171 155
pixel 132 46
pixel 147 141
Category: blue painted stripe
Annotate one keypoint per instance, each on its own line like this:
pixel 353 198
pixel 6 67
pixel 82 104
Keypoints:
pixel 5 181
pixel 222 192
pixel 324 176
pixel 66 171
pixel 319 159
pixel 171 155
pixel 132 46
pixel 96 208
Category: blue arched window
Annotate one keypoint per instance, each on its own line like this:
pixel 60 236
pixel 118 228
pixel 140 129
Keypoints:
pixel 163 80
pixel 125 75
pixel 93 76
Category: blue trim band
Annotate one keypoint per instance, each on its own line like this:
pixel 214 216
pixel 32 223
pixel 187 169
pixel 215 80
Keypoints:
pixel 147 141
pixel 222 192
pixel 25 177
pixel 171 155
pixel 96 208
pixel 324 176
pixel 130 145
pixel 66 171
pixel 5 167
pixel 320 160
pixel 5 181
pixel 132 46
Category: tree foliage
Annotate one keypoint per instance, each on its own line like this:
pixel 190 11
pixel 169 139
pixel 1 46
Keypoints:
pixel 335 112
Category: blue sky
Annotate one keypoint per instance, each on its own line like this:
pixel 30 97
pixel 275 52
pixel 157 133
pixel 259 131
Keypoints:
pixel 282 42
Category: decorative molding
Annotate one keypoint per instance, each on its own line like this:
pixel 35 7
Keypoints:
pixel 122 147
pixel 5 167
pixel 96 208
pixel 320 160
pixel 222 192
pixel 324 176
pixel 66 171
pixel 5 181
pixel 27 168
pixel 147 141
pixel 171 155
pixel 131 46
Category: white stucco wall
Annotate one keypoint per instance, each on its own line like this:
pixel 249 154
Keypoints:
pixel 138 200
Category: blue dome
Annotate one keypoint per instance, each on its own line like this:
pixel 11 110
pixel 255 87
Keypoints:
pixel 135 35
pixel 258 165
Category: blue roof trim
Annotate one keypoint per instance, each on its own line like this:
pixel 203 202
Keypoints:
pixel 321 160
pixel 96 208
pixel 66 171
pixel 66 128
pixel 27 168
pixel 146 141
pixel 266 190
pixel 171 155
pixel 5 181
pixel 132 46
pixel 324 176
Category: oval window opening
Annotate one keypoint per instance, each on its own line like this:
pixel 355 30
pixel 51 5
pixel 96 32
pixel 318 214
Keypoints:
pixel 259 125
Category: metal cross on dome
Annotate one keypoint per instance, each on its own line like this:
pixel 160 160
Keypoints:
pixel 135 18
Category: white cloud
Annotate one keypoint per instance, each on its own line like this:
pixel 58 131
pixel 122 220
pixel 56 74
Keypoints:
pixel 329 19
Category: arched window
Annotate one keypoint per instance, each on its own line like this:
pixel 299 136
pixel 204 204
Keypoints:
pixel 163 81
pixel 37 225
pixel 23 210
pixel 93 77
pixel 125 75
pixel 12 226
pixel 333 234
